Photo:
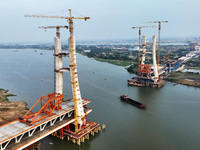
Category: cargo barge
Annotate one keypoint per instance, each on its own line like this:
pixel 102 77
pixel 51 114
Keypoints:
pixel 131 101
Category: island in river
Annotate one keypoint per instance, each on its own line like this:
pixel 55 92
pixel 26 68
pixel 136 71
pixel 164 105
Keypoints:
pixel 10 111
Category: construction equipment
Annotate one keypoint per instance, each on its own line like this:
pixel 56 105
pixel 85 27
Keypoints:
pixel 140 27
pixel 49 103
pixel 78 107
pixel 195 46
pixel 148 75
pixel 164 57
pixel 57 29
pixel 159 29
pixel 58 63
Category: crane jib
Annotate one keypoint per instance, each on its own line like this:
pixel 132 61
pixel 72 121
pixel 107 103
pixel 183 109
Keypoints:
pixel 61 17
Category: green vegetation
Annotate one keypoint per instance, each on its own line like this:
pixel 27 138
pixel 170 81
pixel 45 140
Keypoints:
pixel 117 54
pixel 193 63
pixel 172 79
pixel 115 62
pixel 133 68
pixel 4 95
pixel 4 109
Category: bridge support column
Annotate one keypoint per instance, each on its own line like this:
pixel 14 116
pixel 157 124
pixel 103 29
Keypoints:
pixel 61 133
pixel 90 128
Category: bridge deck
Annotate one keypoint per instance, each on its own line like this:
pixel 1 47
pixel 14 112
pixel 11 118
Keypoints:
pixel 18 134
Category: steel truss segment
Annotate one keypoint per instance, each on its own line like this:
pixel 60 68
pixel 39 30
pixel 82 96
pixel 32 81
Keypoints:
pixel 4 147
pixel 53 121
pixel 62 117
pixel 43 126
pixel 69 114
pixel 32 129
pixel 30 133
pixel 20 137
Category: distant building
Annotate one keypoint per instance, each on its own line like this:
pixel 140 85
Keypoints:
pixel 134 49
pixel 87 51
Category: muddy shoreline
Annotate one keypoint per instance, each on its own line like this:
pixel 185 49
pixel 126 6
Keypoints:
pixel 185 78
pixel 10 111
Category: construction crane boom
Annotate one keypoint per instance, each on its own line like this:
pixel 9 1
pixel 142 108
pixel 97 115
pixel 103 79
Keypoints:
pixel 156 22
pixel 143 27
pixel 140 27
pixel 61 17
pixel 45 27
pixel 52 27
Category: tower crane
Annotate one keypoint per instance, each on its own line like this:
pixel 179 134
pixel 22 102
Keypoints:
pixel 57 29
pixel 164 58
pixel 58 62
pixel 78 107
pixel 140 27
pixel 159 29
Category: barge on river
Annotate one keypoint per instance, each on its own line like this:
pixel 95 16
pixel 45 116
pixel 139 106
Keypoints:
pixel 131 101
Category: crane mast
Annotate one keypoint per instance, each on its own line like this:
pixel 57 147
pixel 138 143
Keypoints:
pixel 78 107
pixel 140 27
pixel 159 29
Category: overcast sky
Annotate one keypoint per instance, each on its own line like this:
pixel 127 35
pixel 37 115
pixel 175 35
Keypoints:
pixel 110 19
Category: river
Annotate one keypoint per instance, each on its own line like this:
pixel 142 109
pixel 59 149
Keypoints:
pixel 170 121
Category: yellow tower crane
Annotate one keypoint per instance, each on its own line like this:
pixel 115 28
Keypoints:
pixel 140 27
pixel 159 29
pixel 78 107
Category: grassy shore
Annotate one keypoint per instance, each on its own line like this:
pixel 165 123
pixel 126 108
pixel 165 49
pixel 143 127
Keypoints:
pixel 4 95
pixel 115 62
pixel 186 78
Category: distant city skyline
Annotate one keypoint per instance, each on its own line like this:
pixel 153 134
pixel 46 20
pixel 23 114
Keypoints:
pixel 131 42
pixel 109 19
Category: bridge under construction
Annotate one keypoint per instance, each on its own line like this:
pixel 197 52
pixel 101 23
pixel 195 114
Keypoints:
pixel 148 75
pixel 57 117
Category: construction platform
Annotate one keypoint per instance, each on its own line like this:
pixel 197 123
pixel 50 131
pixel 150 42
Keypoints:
pixel 145 82
pixel 18 135
pixel 69 132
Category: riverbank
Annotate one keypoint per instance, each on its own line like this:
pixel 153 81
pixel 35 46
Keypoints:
pixel 164 115
pixel 186 78
pixel 10 111
pixel 190 67
pixel 115 62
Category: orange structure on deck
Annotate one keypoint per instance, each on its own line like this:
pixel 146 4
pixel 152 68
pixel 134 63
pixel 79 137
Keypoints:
pixel 49 103
pixel 144 68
